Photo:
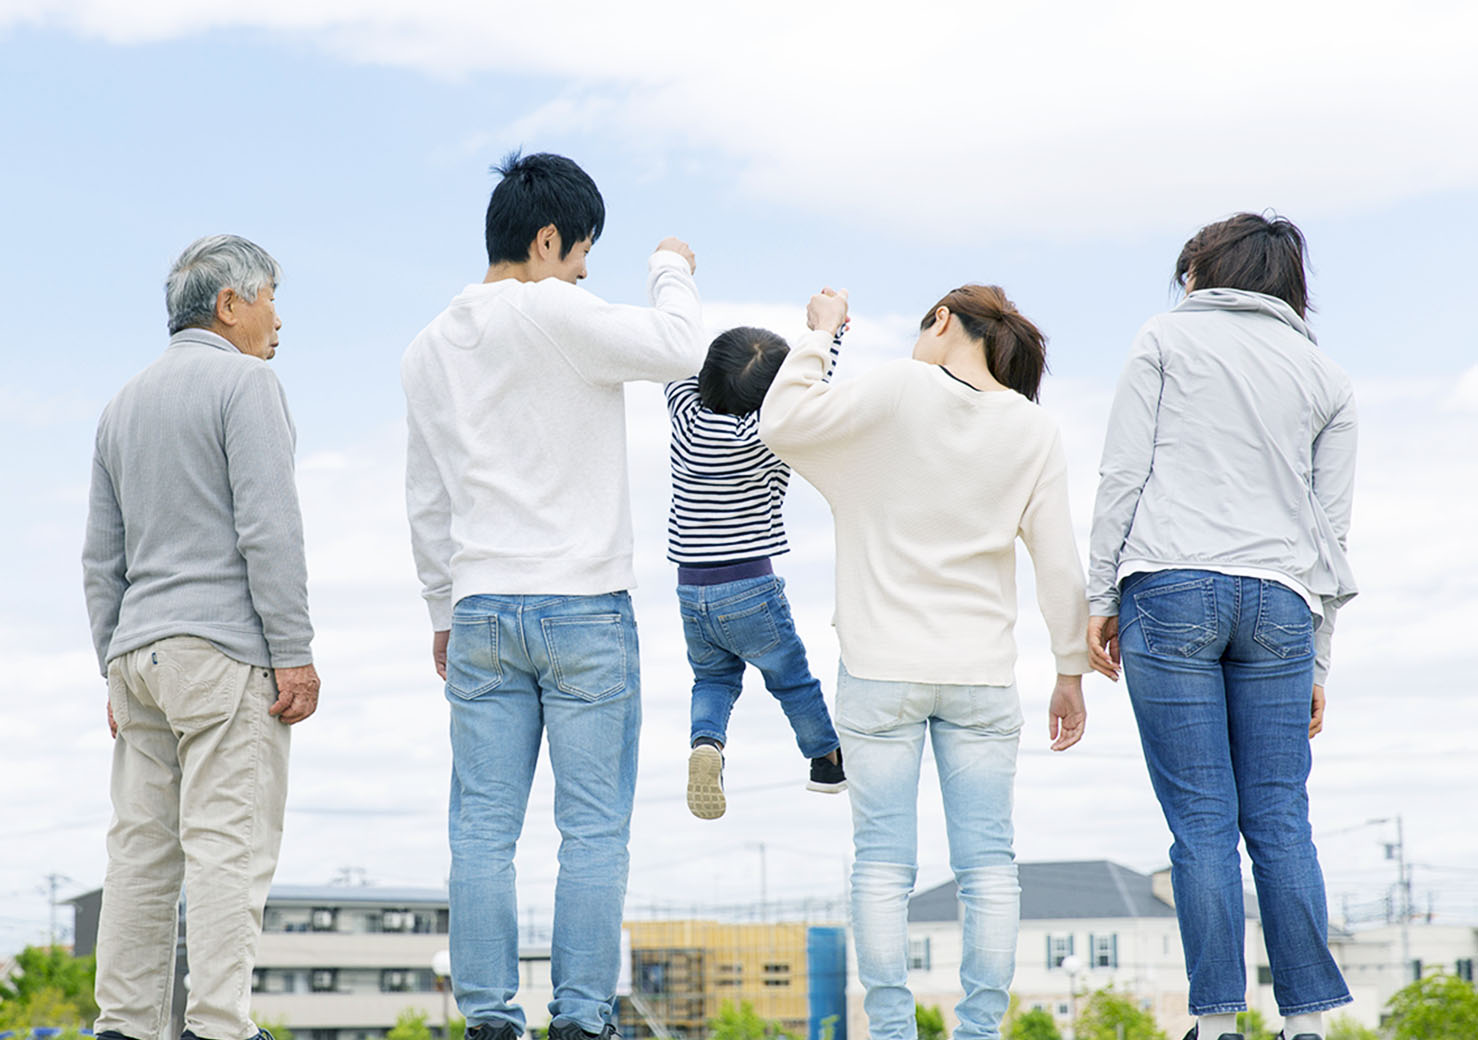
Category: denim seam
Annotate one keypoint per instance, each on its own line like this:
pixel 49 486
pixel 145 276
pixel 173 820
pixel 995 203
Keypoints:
pixel 1316 1007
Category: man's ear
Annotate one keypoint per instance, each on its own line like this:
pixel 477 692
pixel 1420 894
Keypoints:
pixel 546 244
pixel 226 301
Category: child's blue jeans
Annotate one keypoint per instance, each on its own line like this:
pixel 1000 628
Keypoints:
pixel 748 622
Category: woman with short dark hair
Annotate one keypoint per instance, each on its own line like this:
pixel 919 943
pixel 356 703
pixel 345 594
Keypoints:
pixel 1217 566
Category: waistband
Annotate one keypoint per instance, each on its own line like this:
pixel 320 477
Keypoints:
pixel 724 572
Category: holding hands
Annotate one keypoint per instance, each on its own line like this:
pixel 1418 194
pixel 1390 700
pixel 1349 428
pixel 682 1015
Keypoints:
pixel 827 310
pixel 682 249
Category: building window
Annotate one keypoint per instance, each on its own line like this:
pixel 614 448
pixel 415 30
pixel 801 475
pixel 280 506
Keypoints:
pixel 1264 975
pixel 259 980
pixel 1103 951
pixel 395 980
pixel 324 980
pixel 323 919
pixel 1063 1010
pixel 777 974
pixel 1463 969
pixel 1059 949
pixel 1416 969
pixel 919 958
pixel 397 921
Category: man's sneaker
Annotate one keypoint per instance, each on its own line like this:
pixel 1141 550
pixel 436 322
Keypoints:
pixel 1300 1036
pixel 188 1034
pixel 493 1031
pixel 705 784
pixel 827 776
pixel 571 1031
pixel 1195 1032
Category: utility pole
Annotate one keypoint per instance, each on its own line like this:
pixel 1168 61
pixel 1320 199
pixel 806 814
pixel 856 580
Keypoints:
pixel 1397 852
pixel 53 882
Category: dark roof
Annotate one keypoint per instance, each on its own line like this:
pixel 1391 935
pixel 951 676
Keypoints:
pixel 1049 891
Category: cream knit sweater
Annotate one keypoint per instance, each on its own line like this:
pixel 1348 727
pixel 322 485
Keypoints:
pixel 930 483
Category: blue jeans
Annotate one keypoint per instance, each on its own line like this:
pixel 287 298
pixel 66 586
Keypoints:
pixel 975 731
pixel 519 667
pixel 1220 670
pixel 749 621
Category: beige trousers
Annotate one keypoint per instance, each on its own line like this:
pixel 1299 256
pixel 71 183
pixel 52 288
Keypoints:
pixel 199 785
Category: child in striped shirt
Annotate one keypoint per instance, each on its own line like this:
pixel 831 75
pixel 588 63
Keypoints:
pixel 725 524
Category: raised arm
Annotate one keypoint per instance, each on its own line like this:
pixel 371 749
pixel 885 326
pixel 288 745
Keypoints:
pixel 619 343
pixel 803 410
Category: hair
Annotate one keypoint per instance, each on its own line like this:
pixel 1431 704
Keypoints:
pixel 209 265
pixel 1015 349
pixel 536 191
pixel 740 367
pixel 1248 251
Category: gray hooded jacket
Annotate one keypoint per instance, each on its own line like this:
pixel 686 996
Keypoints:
pixel 1231 443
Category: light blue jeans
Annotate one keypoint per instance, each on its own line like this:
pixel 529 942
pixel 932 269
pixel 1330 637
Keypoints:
pixel 748 621
pixel 518 668
pixel 975 731
pixel 1220 670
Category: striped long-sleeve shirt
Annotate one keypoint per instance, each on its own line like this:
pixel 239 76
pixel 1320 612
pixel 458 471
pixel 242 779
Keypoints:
pixel 727 487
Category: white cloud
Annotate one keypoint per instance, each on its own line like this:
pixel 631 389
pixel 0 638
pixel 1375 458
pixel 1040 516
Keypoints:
pixel 1064 119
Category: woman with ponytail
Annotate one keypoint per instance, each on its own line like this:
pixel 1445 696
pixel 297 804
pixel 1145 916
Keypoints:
pixel 934 466
pixel 1217 566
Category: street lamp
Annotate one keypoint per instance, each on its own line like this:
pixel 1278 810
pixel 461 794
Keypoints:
pixel 1073 965
pixel 441 967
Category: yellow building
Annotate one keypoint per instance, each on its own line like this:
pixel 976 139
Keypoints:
pixel 682 972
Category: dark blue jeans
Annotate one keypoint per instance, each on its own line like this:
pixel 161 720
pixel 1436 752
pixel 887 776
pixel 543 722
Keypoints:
pixel 1220 672
pixel 748 621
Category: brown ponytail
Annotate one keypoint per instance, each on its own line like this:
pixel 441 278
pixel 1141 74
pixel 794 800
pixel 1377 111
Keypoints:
pixel 1015 349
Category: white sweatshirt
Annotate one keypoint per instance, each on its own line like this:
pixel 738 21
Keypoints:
pixel 930 483
pixel 516 478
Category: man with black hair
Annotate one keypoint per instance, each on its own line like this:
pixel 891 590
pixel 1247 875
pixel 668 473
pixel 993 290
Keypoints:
pixel 517 493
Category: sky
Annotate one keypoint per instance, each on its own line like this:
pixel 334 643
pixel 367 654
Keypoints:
pixel 1063 151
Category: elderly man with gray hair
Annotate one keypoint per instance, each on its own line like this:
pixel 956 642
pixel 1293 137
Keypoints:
pixel 197 593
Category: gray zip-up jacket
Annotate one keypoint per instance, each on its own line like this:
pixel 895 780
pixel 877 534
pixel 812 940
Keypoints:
pixel 1230 444
pixel 193 525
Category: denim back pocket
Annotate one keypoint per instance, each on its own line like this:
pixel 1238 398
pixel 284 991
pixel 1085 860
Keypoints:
pixel 1285 625
pixel 750 633
pixel 1179 619
pixel 587 654
pixel 473 667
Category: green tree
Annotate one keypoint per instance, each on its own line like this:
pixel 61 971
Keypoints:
pixel 1104 1011
pixel 410 1024
pixel 743 1023
pixel 49 987
pixel 278 1027
pixel 1438 1007
pixel 1252 1026
pixel 930 1022
pixel 1346 1028
pixel 1036 1024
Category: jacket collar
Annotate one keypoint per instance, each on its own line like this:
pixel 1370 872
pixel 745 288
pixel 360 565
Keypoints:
pixel 1243 300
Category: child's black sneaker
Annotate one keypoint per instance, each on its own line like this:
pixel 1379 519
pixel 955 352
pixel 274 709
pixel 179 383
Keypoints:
pixel 706 781
pixel 827 776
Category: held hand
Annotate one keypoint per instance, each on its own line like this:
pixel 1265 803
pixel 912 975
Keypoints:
pixel 113 726
pixel 682 249
pixel 1103 645
pixel 1316 714
pixel 827 310
pixel 297 694
pixel 1066 715
pixel 438 651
